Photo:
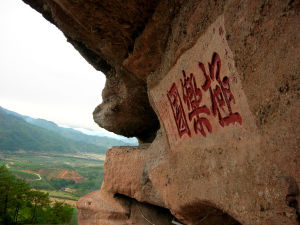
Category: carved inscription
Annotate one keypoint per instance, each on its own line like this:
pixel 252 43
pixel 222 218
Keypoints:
pixel 216 87
pixel 192 96
pixel 178 112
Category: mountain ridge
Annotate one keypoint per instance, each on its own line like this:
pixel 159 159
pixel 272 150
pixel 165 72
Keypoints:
pixel 24 132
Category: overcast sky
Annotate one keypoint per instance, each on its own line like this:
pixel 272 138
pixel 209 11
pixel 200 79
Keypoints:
pixel 41 74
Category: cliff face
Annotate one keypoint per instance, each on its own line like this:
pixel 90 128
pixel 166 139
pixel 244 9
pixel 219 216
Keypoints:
pixel 211 89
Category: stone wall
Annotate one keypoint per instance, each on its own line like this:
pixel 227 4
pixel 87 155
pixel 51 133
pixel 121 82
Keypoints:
pixel 211 89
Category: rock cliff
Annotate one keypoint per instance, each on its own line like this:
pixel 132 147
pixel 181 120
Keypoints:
pixel 211 89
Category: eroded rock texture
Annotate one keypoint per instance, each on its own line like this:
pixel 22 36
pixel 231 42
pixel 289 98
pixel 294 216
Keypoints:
pixel 106 34
pixel 211 88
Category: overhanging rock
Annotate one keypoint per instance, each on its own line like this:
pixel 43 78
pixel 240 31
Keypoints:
pixel 211 89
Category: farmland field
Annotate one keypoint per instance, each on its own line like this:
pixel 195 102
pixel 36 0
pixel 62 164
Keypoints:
pixel 66 177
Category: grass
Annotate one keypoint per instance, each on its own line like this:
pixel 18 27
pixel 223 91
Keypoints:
pixel 23 174
pixel 70 202
pixel 41 184
pixel 62 195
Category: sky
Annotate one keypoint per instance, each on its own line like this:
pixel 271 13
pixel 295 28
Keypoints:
pixel 41 74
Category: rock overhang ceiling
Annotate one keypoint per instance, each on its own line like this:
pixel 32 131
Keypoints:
pixel 113 37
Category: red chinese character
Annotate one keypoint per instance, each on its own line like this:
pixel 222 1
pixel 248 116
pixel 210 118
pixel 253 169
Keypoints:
pixel 221 95
pixel 178 111
pixel 192 96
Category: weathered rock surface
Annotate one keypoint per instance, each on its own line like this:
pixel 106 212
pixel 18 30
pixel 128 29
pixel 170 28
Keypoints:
pixel 104 32
pixel 223 80
pixel 105 208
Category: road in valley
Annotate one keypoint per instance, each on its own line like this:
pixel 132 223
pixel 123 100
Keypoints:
pixel 27 171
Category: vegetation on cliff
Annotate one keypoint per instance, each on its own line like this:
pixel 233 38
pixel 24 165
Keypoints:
pixel 19 204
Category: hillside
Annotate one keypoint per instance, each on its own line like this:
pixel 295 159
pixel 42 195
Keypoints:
pixel 26 133
pixel 72 133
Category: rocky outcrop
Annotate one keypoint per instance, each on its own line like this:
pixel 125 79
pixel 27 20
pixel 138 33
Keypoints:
pixel 211 89
pixel 105 208
pixel 104 32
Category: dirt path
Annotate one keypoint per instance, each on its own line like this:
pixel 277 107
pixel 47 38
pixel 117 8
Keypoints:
pixel 38 176
pixel 29 171
pixel 7 164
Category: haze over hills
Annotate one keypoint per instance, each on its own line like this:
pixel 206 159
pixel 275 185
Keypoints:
pixel 23 132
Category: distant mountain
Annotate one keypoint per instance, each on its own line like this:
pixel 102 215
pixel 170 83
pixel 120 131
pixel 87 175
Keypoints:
pixel 107 139
pixel 128 141
pixel 23 132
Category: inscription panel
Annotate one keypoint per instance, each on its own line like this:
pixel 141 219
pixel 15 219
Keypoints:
pixel 201 96
pixel 215 88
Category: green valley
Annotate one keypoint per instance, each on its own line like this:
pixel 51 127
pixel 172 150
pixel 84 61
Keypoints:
pixel 60 162
pixel 62 175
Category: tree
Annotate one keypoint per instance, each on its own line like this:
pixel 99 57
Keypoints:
pixel 7 191
pixel 19 204
pixel 61 213
pixel 22 197
pixel 40 202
